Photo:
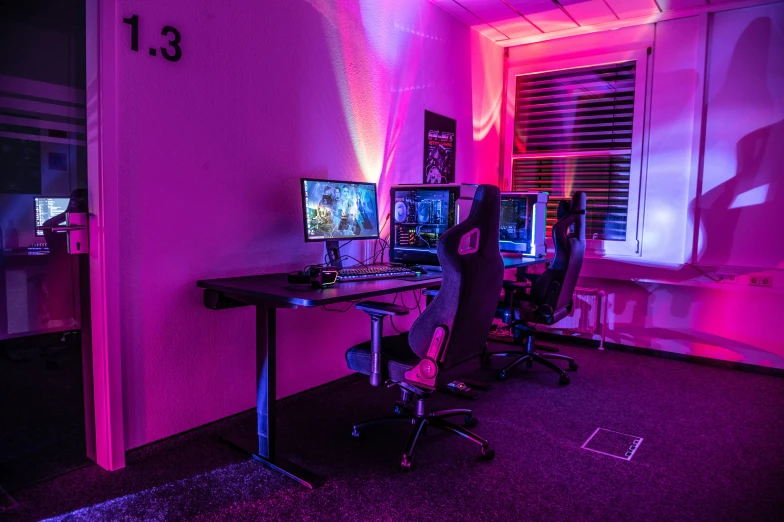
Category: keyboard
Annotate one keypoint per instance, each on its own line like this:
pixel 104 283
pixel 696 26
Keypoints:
pixel 373 272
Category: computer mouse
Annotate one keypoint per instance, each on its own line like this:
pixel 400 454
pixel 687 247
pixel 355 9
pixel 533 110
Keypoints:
pixel 418 269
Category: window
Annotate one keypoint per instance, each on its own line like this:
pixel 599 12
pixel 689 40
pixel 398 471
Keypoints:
pixel 579 128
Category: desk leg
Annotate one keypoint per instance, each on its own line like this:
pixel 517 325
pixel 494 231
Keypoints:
pixel 261 446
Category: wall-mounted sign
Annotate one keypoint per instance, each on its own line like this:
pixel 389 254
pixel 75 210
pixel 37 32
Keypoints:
pixel 440 134
pixel 172 51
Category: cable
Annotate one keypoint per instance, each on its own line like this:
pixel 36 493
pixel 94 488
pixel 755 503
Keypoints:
pixel 701 271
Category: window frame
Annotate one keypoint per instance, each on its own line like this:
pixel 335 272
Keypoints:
pixel 595 247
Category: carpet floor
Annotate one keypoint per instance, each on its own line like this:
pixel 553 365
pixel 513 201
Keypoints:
pixel 712 449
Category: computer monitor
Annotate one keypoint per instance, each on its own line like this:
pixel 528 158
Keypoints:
pixel 47 208
pixel 523 222
pixel 339 210
pixel 420 215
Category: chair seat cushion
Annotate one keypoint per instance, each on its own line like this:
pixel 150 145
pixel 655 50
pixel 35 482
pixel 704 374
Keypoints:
pixel 396 357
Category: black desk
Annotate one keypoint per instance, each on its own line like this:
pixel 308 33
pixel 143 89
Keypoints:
pixel 270 292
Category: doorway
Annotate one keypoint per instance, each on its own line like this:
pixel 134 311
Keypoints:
pixel 45 350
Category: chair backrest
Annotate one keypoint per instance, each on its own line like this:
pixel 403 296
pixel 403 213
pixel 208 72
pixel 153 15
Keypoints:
pixel 473 271
pixel 556 285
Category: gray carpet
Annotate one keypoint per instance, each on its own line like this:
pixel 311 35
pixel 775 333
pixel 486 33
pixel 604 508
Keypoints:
pixel 712 450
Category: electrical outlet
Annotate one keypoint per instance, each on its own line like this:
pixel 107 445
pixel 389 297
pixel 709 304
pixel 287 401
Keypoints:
pixel 756 280
pixel 726 278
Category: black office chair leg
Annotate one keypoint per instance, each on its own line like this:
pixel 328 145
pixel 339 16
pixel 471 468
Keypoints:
pixel 408 453
pixel 541 360
pixel 506 354
pixel 503 372
pixel 445 425
pixel 450 413
pixel 386 419
pixel 560 357
pixel 469 421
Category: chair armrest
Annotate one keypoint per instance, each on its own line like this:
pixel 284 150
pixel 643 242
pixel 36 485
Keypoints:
pixel 377 308
pixel 430 292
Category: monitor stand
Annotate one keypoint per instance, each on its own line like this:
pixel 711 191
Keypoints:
pixel 333 254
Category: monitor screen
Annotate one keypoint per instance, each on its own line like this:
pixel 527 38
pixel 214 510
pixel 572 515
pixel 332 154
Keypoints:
pixel 47 208
pixel 339 210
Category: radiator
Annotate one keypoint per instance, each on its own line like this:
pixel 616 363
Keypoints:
pixel 589 314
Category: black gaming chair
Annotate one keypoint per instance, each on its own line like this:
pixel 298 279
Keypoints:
pixel 550 296
pixel 448 338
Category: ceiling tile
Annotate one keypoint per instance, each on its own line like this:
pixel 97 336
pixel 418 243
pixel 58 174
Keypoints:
pixel 501 16
pixel 545 14
pixel 633 8
pixel 470 19
pixel 672 5
pixel 588 12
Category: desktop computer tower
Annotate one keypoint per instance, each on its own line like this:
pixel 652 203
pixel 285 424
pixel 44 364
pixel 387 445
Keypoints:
pixel 420 214
pixel 523 227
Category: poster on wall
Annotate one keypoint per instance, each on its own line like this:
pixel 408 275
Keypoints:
pixel 440 133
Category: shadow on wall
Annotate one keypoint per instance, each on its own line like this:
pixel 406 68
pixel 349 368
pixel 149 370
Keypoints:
pixel 736 220
pixel 734 216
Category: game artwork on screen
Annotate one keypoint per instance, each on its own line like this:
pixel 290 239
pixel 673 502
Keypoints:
pixel 340 210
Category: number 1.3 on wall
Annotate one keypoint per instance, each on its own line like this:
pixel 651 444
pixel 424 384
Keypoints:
pixel 172 51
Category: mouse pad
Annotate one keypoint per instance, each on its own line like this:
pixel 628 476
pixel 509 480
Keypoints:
pixel 424 277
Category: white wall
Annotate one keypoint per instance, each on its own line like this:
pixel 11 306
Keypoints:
pixel 211 149
pixel 662 299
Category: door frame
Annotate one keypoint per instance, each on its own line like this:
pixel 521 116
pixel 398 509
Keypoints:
pixel 104 232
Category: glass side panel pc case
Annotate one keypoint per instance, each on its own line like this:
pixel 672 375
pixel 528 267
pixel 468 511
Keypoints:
pixel 337 210
pixel 524 222
pixel 420 214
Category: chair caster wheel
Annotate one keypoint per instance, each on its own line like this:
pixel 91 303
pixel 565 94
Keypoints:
pixel 487 454
pixel 355 433
pixel 564 380
pixel 470 421
pixel 406 465
pixel 502 375
pixel 573 366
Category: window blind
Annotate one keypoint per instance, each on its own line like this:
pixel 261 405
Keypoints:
pixel 604 179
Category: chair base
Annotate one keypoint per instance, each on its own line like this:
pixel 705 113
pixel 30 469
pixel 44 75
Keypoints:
pixel 417 415
pixel 530 356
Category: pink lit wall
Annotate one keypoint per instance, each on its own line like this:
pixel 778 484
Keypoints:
pixel 697 228
pixel 211 151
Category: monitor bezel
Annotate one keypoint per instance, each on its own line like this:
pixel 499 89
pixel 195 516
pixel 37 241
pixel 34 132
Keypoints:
pixel 39 232
pixel 303 201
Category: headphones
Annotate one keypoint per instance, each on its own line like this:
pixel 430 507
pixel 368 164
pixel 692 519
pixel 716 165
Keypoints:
pixel 316 276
